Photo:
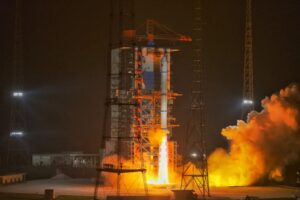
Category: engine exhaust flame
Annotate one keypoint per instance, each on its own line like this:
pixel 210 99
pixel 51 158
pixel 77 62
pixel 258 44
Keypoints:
pixel 263 146
pixel 259 148
pixel 159 138
pixel 155 176
pixel 163 175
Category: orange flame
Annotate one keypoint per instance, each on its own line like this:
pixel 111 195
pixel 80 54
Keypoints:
pixel 160 176
pixel 262 146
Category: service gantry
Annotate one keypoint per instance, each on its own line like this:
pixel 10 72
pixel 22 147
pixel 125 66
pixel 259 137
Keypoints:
pixel 139 93
pixel 117 138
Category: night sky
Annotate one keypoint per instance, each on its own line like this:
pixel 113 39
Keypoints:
pixel 65 49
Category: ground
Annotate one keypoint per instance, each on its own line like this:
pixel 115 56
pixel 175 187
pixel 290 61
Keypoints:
pixel 85 187
pixel 19 196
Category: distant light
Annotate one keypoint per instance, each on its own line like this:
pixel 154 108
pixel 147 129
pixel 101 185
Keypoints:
pixel 16 134
pixel 247 101
pixel 194 155
pixel 18 94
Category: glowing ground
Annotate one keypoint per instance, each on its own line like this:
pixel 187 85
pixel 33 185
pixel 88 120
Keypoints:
pixel 85 187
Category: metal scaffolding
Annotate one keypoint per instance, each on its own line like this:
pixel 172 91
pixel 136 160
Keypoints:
pixel 248 94
pixel 195 170
pixel 139 94
pixel 17 150
pixel 153 89
pixel 117 134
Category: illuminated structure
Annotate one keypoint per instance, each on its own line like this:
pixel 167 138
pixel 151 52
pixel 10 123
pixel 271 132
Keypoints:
pixel 153 64
pixel 248 96
pixel 147 100
pixel 139 98
pixel 117 138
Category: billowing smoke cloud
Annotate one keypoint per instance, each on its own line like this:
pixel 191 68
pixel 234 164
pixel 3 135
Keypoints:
pixel 263 146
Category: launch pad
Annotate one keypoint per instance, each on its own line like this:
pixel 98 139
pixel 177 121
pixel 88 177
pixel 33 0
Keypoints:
pixel 85 187
pixel 138 121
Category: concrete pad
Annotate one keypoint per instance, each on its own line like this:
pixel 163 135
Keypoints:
pixel 85 187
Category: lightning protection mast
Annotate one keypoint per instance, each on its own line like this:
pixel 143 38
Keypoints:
pixel 248 94
pixel 195 170
pixel 17 151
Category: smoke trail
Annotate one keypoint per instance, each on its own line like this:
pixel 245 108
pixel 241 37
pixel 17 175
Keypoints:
pixel 261 147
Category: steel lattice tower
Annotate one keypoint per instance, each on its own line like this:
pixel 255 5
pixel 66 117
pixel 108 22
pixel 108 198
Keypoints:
pixel 196 174
pixel 117 135
pixel 17 151
pixel 248 96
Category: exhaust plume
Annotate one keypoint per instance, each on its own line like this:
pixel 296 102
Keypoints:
pixel 263 145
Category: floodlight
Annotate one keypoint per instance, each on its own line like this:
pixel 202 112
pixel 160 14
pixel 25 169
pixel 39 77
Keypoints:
pixel 18 94
pixel 16 134
pixel 247 101
pixel 194 155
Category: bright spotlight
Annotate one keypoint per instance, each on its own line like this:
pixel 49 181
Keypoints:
pixel 16 134
pixel 194 155
pixel 18 94
pixel 247 101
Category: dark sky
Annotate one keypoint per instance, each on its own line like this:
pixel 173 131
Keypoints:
pixel 65 48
